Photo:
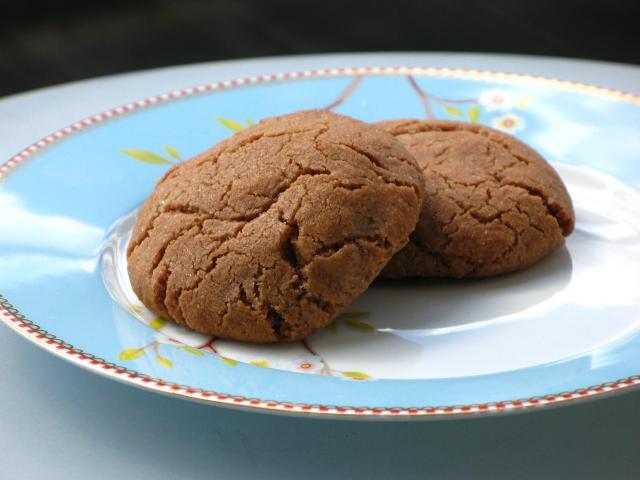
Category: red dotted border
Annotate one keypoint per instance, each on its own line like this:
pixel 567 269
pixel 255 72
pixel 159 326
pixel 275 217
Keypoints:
pixel 33 332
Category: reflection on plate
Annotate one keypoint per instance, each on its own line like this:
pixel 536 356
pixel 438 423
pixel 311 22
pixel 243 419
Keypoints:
pixel 409 348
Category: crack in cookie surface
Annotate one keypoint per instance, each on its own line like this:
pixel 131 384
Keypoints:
pixel 492 204
pixel 295 217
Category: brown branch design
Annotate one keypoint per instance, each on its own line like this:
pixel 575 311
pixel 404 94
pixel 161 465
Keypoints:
pixel 210 346
pixel 326 369
pixel 427 98
pixel 349 318
pixel 345 94
pixel 424 97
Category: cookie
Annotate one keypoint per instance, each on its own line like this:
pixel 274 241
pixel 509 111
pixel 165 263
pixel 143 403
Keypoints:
pixel 492 204
pixel 270 234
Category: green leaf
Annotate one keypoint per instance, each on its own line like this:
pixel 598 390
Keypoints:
pixel 230 124
pixel 260 363
pixel 524 101
pixel 165 362
pixel 157 323
pixel 355 314
pixel 194 351
pixel 131 354
pixel 146 157
pixel 453 111
pixel 249 122
pixel 356 375
pixel 333 326
pixel 360 325
pixel 172 151
pixel 473 114
pixel 229 361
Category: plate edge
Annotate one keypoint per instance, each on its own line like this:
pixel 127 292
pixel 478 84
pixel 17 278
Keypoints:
pixel 19 323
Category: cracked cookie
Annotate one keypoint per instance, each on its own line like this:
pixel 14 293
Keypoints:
pixel 271 233
pixel 492 204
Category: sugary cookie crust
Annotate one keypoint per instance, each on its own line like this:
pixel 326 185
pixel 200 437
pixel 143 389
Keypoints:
pixel 492 204
pixel 270 234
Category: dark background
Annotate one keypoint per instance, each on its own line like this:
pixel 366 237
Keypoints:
pixel 49 42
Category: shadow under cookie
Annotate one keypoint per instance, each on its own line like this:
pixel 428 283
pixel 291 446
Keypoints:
pixel 436 302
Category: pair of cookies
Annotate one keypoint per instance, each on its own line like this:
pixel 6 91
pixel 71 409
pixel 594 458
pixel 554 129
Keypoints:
pixel 273 232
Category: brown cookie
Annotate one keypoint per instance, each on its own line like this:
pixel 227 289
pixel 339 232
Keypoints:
pixel 492 204
pixel 270 234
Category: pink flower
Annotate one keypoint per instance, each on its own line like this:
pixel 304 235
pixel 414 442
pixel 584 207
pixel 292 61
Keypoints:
pixel 306 366
pixel 508 123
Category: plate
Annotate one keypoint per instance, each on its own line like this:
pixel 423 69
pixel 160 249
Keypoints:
pixel 564 329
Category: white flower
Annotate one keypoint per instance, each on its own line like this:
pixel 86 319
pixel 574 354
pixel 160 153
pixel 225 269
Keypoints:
pixel 497 100
pixel 509 123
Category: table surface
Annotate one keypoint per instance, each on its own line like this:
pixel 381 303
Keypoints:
pixel 62 422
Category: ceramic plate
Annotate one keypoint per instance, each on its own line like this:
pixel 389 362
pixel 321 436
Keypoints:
pixel 564 329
